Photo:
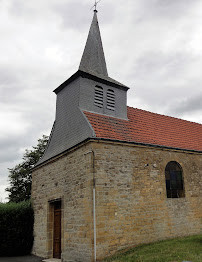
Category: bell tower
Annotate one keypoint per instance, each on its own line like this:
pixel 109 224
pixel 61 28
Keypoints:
pixel 89 89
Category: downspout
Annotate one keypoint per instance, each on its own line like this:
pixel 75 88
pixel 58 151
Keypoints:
pixel 94 211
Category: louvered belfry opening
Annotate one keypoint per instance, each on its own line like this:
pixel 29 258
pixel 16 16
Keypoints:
pixel 110 99
pixel 98 96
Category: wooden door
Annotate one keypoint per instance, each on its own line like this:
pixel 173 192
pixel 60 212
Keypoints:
pixel 57 231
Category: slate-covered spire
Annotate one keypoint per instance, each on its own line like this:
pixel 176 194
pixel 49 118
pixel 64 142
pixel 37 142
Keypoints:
pixel 93 59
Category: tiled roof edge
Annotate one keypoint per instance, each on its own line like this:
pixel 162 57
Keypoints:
pixel 150 145
pixel 110 140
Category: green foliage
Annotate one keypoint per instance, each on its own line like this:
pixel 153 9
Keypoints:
pixel 176 250
pixel 20 177
pixel 16 228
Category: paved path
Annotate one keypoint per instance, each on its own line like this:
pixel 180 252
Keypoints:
pixel 21 259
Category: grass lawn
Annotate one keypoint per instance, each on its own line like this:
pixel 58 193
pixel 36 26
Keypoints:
pixel 173 250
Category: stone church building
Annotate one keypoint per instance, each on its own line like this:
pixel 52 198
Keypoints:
pixel 112 176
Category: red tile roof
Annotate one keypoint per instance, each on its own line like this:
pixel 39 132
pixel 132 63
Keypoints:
pixel 148 128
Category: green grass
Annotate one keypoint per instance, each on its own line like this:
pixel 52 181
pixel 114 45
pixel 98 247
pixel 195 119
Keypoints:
pixel 173 250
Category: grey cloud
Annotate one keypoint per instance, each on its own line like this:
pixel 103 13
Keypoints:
pixel 164 80
pixel 10 147
pixel 9 154
pixel 10 85
pixel 68 11
pixel 11 144
pixel 156 63
pixel 20 8
pixel 159 72
pixel 188 105
pixel 17 7
pixel 165 9
pixel 8 76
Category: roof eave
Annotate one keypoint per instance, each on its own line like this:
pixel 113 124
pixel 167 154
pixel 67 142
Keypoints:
pixel 149 145
pixel 89 76
pixel 191 151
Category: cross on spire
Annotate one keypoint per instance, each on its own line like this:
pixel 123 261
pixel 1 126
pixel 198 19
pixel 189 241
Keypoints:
pixel 95 5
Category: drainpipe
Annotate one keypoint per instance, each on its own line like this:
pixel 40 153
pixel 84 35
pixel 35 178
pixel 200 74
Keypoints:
pixel 94 213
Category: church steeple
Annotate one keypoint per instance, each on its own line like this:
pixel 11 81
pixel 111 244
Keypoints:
pixel 90 89
pixel 93 58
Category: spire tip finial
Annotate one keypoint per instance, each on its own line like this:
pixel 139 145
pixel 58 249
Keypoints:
pixel 95 6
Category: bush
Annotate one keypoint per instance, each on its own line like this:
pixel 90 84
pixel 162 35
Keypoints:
pixel 16 228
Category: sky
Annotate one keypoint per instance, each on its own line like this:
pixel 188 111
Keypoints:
pixel 152 46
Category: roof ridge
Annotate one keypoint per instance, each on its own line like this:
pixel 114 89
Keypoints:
pixel 164 115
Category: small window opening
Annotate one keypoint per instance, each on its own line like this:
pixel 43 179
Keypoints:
pixel 110 99
pixel 98 96
pixel 174 180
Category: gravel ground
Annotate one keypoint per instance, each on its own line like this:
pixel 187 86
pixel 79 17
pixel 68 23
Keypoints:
pixel 21 259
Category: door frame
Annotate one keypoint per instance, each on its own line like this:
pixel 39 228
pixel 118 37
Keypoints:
pixel 50 226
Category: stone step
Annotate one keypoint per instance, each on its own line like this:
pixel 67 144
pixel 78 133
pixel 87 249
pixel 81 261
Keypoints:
pixel 51 260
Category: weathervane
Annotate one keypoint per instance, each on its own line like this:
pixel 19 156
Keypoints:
pixel 95 5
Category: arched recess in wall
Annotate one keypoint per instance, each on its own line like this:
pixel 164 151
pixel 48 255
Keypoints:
pixel 174 180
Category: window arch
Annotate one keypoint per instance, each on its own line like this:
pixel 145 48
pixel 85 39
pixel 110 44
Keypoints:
pixel 110 99
pixel 174 180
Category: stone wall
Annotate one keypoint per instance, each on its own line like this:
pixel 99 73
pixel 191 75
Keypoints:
pixel 131 202
pixel 69 179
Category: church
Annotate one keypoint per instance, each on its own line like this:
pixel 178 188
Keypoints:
pixel 112 176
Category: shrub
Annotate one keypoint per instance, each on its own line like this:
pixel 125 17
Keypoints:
pixel 16 228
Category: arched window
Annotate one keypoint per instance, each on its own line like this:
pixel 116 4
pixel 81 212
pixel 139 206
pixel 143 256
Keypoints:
pixel 110 99
pixel 98 101
pixel 174 180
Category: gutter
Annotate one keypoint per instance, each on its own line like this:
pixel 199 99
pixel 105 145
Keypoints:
pixel 146 144
pixel 65 152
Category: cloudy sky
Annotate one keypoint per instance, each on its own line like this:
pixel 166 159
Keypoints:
pixel 152 46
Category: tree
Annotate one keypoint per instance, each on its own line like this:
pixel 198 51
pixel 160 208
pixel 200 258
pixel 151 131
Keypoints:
pixel 20 176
